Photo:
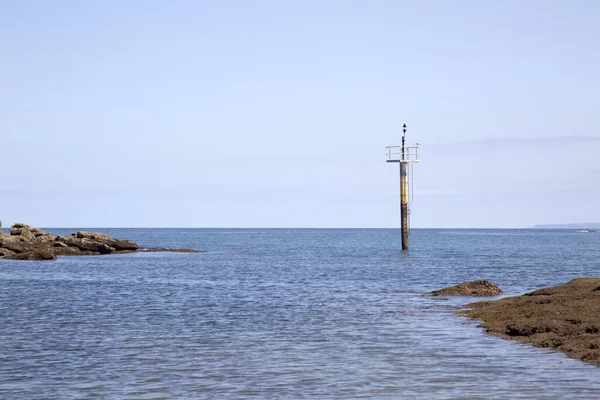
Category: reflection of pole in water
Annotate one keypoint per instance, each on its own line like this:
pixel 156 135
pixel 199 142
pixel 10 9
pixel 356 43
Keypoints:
pixel 405 156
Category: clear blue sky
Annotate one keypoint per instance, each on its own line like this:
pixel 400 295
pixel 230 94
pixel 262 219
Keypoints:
pixel 277 113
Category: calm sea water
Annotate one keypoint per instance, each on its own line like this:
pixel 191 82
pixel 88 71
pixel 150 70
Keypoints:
pixel 285 313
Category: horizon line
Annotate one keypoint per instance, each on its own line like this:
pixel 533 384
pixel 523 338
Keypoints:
pixel 535 227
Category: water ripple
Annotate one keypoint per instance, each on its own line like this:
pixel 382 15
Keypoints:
pixel 283 314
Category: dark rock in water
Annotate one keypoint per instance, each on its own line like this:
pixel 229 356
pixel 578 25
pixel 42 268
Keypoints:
pixel 35 255
pixel 83 240
pixel 474 288
pixel 27 243
pixel 123 245
pixel 168 250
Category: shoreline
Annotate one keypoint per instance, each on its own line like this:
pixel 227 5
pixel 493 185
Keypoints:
pixel 565 318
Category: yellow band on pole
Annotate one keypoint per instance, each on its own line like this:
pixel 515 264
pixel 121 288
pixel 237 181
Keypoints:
pixel 404 190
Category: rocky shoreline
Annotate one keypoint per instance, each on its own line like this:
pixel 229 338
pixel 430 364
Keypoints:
pixel 565 318
pixel 27 243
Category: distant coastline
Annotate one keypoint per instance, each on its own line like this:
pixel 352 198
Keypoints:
pixel 584 225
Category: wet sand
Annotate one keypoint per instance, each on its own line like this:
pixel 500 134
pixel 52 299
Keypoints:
pixel 565 318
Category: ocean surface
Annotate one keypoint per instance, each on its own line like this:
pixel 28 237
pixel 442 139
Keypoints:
pixel 285 314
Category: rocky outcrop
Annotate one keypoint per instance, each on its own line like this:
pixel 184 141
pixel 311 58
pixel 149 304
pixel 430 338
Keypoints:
pixel 27 243
pixel 34 255
pixel 565 318
pixel 474 288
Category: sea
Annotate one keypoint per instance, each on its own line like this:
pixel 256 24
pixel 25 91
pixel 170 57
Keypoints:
pixel 285 314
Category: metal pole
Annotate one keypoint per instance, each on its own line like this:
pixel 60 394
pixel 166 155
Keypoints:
pixel 404 194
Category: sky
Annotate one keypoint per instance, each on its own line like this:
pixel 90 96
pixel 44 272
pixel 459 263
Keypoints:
pixel 265 113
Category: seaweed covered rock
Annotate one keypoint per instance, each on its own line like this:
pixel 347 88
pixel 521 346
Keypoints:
pixel 565 318
pixel 474 288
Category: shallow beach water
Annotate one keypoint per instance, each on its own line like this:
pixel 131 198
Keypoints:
pixel 285 313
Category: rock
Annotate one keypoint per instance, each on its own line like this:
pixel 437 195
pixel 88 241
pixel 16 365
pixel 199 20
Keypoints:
pixel 16 246
pixel 35 255
pixel 4 238
pixel 116 244
pixel 19 229
pixel 86 245
pixel 69 240
pixel 44 237
pixel 22 230
pixel 69 251
pixel 61 249
pixel 474 288
pixel 123 245
pixel 93 236
pixel 168 250
pixel 28 234
pixel 6 252
pixel 12 238
pixel 102 248
pixel 20 225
